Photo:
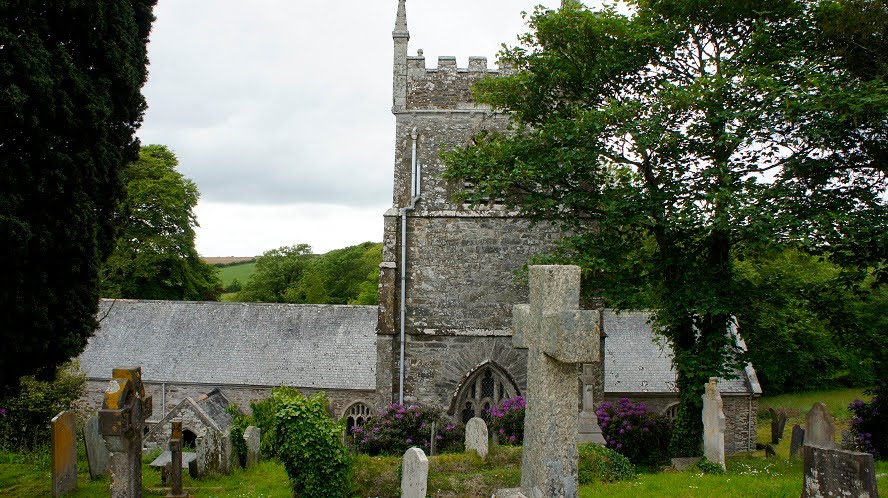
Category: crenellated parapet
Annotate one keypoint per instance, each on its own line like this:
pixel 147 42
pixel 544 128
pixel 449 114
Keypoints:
pixel 445 86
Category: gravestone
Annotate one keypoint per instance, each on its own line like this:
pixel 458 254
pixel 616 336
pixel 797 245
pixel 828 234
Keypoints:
pixel 476 436
pixel 96 452
pixel 252 438
pixel 414 474
pixel 433 439
pixel 819 428
pixel 588 430
pixel 64 453
pixel 175 472
pixel 557 336
pixel 797 441
pixel 833 472
pixel 778 425
pixel 125 408
pixel 713 424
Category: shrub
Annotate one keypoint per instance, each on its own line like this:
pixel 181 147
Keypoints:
pixel 24 419
pixel 507 421
pixel 631 430
pixel 869 425
pixel 309 444
pixel 708 467
pixel 263 417
pixel 400 427
pixel 238 426
pixel 601 464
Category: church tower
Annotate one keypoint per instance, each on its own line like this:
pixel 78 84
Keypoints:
pixel 448 277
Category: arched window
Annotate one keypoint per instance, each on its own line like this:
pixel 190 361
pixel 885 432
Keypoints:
pixel 671 411
pixel 356 415
pixel 189 439
pixel 487 386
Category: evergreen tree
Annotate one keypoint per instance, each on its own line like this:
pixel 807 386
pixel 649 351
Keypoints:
pixel 71 74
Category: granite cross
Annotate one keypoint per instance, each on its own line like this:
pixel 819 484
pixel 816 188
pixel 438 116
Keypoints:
pixel 557 336
pixel 125 408
pixel 176 461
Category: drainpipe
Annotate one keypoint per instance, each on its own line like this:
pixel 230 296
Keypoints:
pixel 414 196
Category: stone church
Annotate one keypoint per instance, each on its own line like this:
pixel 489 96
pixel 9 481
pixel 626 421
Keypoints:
pixel 441 335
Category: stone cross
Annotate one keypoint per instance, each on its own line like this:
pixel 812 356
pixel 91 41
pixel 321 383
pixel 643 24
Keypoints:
pixel 125 408
pixel 476 436
pixel 589 431
pixel 176 461
pixel 64 453
pixel 834 472
pixel 819 428
pixel 557 336
pixel 414 474
pixel 713 424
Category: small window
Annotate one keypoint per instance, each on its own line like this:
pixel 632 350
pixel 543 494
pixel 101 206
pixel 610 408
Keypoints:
pixel 671 411
pixel 356 415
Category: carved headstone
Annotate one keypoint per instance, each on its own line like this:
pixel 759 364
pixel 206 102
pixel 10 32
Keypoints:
pixel 64 453
pixel 557 336
pixel 797 441
pixel 713 424
pixel 125 408
pixel 588 430
pixel 833 472
pixel 819 428
pixel 96 452
pixel 414 474
pixel 176 461
pixel 252 438
pixel 476 436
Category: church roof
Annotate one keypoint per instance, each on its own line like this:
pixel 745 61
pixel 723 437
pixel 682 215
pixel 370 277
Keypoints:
pixel 638 361
pixel 253 344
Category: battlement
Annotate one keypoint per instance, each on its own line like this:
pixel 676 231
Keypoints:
pixel 446 86
pixel 416 63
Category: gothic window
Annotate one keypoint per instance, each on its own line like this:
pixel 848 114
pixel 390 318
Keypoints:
pixel 671 411
pixel 356 415
pixel 485 388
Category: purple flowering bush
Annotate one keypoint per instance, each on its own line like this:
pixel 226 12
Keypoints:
pixel 631 430
pixel 869 425
pixel 399 427
pixel 507 421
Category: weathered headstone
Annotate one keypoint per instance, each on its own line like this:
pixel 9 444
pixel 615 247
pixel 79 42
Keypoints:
pixel 557 336
pixel 96 452
pixel 713 424
pixel 476 436
pixel 433 439
pixel 176 461
pixel 778 425
pixel 414 474
pixel 588 430
pixel 831 472
pixel 121 420
pixel 819 428
pixel 782 426
pixel 252 438
pixel 797 441
pixel 64 453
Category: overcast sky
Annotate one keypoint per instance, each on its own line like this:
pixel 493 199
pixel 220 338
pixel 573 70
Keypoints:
pixel 280 110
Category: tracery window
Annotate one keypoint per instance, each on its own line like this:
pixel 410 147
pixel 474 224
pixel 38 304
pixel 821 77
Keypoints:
pixel 671 411
pixel 356 415
pixel 484 389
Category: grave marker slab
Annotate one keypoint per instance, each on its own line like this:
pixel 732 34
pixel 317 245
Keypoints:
pixel 819 428
pixel 252 438
pixel 713 424
pixel 414 474
pixel 476 436
pixel 96 452
pixel 64 453
pixel 831 472
pixel 797 441
pixel 557 336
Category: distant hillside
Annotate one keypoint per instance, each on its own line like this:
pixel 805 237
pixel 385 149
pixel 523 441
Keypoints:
pixel 239 271
pixel 227 260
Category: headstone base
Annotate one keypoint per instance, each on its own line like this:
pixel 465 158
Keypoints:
pixel 588 430
pixel 685 463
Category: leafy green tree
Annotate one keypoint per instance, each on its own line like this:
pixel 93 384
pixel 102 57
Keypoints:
pixel 155 257
pixel 70 102
pixel 277 272
pixel 667 138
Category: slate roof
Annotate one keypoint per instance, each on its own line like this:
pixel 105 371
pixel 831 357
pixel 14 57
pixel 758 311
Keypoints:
pixel 256 344
pixel 636 362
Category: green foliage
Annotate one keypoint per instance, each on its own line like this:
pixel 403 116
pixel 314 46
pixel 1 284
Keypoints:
pixel 708 467
pixel 155 257
pixel 296 275
pixel 70 103
pixel 234 286
pixel 400 427
pixel 24 418
pixel 507 421
pixel 238 426
pixel 601 464
pixel 631 430
pixel 309 444
pixel 264 413
pixel 670 137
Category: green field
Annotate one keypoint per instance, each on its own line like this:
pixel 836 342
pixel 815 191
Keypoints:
pixel 241 272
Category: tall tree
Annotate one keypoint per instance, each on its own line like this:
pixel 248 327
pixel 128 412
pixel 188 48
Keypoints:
pixel 668 137
pixel 154 256
pixel 70 103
